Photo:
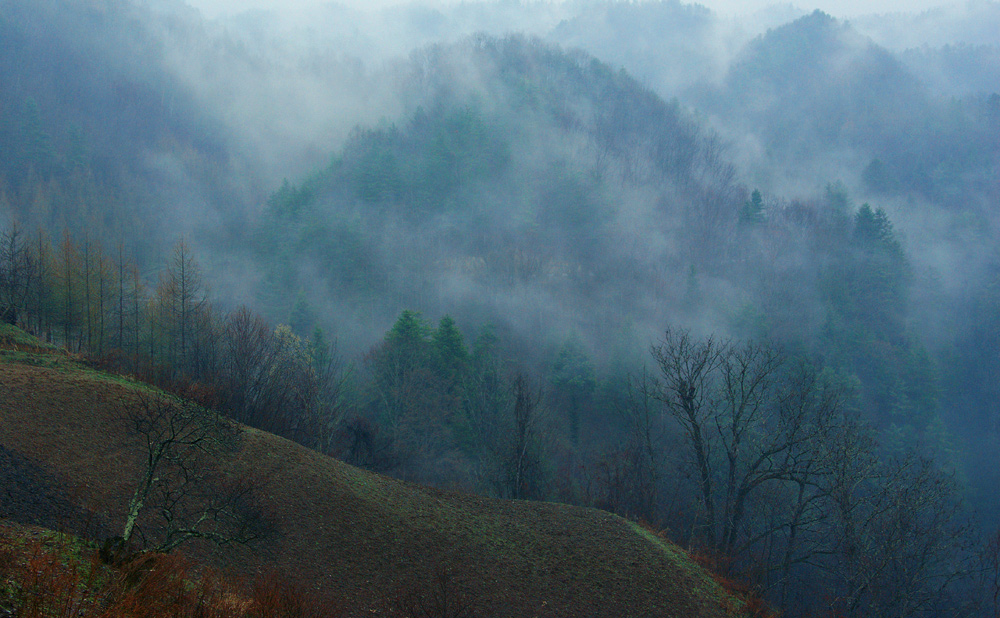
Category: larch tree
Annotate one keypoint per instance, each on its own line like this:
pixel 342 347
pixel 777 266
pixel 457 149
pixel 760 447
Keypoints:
pixel 187 285
pixel 18 274
pixel 69 266
pixel 179 297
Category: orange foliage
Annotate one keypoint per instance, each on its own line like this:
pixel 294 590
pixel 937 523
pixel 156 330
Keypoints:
pixel 49 579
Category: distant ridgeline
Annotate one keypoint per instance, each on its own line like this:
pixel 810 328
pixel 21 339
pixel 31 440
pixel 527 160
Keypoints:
pixel 555 196
pixel 565 221
pixel 547 180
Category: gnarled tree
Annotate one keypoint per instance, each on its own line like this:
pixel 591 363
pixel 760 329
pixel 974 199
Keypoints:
pixel 182 488
pixel 750 418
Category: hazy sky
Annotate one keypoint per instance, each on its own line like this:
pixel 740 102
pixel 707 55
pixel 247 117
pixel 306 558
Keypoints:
pixel 837 8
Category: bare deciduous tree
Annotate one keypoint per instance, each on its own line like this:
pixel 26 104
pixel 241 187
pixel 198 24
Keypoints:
pixel 749 419
pixel 507 417
pixel 789 482
pixel 18 271
pixel 182 479
pixel 273 380
pixel 902 540
pixel 644 453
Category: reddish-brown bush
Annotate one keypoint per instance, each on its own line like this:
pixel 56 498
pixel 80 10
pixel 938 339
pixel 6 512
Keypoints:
pixel 53 577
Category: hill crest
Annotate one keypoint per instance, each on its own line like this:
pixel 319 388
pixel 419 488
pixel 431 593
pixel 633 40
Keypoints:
pixel 351 534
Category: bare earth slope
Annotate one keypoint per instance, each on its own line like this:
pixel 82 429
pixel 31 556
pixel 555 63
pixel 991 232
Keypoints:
pixel 356 537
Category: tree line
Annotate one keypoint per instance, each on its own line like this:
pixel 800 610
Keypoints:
pixel 755 457
pixel 163 328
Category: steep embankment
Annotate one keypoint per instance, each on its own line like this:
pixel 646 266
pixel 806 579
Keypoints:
pixel 347 533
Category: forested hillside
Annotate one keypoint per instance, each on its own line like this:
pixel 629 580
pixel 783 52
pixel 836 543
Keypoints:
pixel 738 282
pixel 526 186
pixel 266 527
pixel 98 136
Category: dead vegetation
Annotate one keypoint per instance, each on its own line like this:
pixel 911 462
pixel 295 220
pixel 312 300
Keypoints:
pixel 49 575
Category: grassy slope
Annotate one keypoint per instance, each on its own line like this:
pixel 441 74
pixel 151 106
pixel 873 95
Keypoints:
pixel 349 533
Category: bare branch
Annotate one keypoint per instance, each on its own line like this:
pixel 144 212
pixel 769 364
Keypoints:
pixel 182 478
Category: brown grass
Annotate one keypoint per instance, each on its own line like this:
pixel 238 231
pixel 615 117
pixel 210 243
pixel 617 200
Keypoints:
pixel 356 539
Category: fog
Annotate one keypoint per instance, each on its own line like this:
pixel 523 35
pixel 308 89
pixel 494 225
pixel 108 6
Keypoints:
pixel 577 175
pixel 837 8
pixel 781 99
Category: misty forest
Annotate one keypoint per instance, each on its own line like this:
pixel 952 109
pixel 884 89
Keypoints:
pixel 734 278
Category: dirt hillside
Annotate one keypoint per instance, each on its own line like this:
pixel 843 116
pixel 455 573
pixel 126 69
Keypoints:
pixel 357 538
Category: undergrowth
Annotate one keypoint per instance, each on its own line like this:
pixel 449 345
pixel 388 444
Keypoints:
pixel 58 576
pixel 742 601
